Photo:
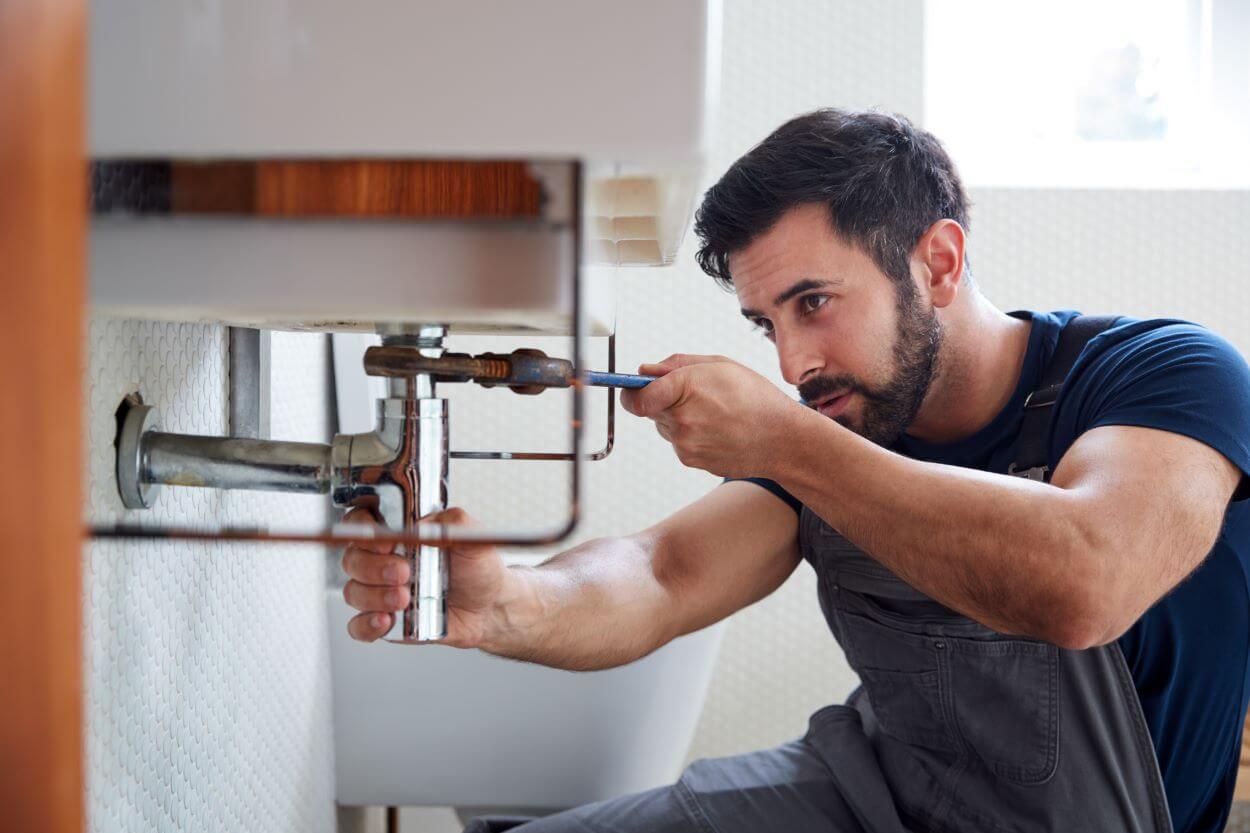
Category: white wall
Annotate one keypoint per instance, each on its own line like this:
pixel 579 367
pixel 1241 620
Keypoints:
pixel 206 664
pixel 1172 254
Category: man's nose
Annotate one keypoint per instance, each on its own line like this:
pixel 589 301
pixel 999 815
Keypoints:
pixel 799 362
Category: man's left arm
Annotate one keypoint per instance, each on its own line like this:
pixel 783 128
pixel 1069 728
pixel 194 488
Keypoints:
pixel 1129 512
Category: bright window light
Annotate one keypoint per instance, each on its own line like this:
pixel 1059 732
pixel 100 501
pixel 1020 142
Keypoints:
pixel 1091 93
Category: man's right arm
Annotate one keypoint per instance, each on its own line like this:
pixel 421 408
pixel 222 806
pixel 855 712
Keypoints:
pixel 606 602
pixel 610 601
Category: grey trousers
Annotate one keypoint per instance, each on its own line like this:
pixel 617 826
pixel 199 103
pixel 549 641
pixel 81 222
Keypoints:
pixel 828 781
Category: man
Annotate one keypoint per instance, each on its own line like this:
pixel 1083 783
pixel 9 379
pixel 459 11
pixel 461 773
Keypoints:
pixel 1063 650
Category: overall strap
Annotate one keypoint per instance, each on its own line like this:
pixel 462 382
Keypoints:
pixel 1033 450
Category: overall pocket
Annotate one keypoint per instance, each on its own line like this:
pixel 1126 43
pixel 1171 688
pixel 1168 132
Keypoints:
pixel 1002 693
pixel 901 680
pixel 1005 694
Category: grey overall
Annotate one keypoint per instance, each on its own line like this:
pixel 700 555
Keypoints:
pixel 955 728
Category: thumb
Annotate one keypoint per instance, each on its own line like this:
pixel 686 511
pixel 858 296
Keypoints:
pixel 458 523
pixel 675 361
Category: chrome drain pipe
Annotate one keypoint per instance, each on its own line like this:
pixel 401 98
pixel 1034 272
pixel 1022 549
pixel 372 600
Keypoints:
pixel 399 470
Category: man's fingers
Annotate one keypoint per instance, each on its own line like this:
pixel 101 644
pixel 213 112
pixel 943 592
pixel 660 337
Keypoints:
pixel 367 627
pixel 364 518
pixel 629 400
pixel 370 598
pixel 656 369
pixel 370 567
pixel 450 515
pixel 379 579
pixel 656 397
pixel 361 515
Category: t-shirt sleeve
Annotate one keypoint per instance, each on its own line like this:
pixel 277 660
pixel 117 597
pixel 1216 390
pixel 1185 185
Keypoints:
pixel 1177 377
pixel 774 487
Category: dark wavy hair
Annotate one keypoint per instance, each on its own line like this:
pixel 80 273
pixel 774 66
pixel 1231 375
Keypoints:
pixel 884 181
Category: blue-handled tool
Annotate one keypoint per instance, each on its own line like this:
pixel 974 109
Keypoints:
pixel 617 380
pixel 525 371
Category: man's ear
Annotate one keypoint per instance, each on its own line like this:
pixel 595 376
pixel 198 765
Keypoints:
pixel 938 261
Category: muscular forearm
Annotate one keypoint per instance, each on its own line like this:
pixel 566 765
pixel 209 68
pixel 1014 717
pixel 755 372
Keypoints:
pixel 1008 552
pixel 596 606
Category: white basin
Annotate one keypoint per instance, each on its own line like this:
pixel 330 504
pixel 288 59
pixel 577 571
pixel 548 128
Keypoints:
pixel 626 89
pixel 435 726
pixel 599 80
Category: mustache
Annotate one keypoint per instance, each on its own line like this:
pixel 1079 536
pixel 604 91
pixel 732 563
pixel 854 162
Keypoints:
pixel 821 386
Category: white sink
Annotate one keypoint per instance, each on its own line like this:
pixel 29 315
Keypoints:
pixel 435 726
pixel 624 89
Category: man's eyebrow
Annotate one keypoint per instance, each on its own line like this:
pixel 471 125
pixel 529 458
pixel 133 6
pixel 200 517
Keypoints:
pixel 803 286
pixel 798 288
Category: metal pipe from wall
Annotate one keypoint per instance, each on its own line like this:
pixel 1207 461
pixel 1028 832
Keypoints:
pixel 235 463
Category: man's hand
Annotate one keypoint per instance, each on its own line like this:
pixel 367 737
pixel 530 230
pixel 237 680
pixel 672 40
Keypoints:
pixel 379 584
pixel 720 416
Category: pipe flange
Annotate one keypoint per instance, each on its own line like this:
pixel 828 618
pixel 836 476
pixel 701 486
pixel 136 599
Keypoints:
pixel 135 494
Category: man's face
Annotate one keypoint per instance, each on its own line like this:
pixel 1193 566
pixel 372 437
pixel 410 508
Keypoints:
pixel 859 350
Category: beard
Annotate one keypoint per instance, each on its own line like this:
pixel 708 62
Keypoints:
pixel 889 409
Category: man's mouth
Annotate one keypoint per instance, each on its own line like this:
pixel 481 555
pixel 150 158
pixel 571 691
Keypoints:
pixel 832 406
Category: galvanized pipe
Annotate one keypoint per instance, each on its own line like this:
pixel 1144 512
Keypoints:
pixel 235 463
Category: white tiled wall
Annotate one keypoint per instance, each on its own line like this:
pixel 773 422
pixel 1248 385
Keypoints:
pixel 207 664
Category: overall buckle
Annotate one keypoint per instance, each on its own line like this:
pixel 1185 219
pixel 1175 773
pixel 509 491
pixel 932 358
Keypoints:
pixel 1037 473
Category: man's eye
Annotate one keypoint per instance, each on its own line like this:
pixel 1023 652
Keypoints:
pixel 763 324
pixel 811 303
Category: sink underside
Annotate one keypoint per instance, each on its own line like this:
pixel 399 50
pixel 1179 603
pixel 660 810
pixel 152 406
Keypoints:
pixel 344 275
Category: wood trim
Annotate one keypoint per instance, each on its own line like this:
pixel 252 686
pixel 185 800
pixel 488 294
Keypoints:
pixel 42 233
pixel 414 189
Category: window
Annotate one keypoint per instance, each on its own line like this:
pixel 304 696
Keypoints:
pixel 1099 93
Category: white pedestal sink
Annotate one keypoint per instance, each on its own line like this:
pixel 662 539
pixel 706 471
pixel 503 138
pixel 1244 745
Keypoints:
pixel 435 726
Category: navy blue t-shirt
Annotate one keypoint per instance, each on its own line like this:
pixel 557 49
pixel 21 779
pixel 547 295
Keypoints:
pixel 1190 653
